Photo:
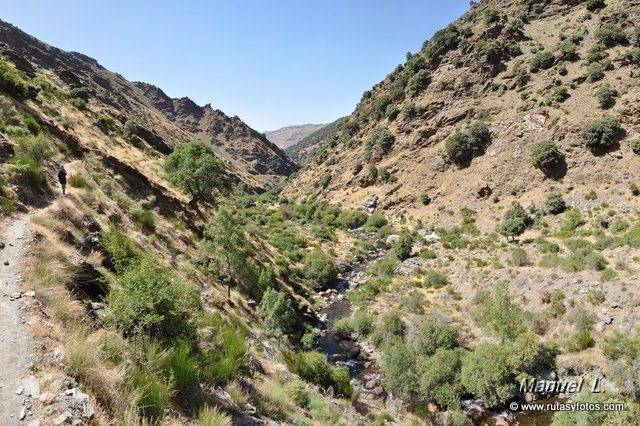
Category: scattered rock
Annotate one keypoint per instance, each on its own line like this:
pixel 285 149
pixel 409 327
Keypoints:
pixel 599 327
pixel 605 317
pixel 371 205
pixel 64 418
pixel 372 384
pixel 392 239
pixel 6 263
pixel 379 391
pixel 23 413
pixel 20 390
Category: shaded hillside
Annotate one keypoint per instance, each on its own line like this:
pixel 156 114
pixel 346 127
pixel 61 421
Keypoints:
pixel 526 72
pixel 152 116
pixel 307 147
pixel 290 135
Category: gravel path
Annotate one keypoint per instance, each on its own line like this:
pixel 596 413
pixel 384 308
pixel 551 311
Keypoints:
pixel 17 386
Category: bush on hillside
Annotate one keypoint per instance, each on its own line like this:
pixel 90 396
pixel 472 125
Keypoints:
pixel 381 139
pixel 546 156
pixel 635 146
pixel 419 81
pixel 435 333
pixel 486 373
pixel 515 222
pixel 554 203
pixel 462 147
pixel 599 135
pixel 542 61
pixel 277 313
pixel 593 5
pixel 404 245
pixel 320 268
pixel 605 96
pixel 313 367
pixel 12 83
pixel 610 35
pixel 595 71
pixel 194 169
pixel 442 42
pixel 153 302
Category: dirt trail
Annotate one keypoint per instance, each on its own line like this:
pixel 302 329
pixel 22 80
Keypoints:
pixel 17 386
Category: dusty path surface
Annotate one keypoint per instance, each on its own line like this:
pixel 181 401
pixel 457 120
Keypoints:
pixel 17 386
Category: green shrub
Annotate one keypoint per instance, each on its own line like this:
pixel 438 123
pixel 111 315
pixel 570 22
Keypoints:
pixel 77 181
pixel 542 61
pixel 152 394
pixel 180 368
pixel 635 146
pixel 297 391
pixel 605 96
pixel 359 325
pixel 277 313
pixel 351 219
pixel 607 275
pixel 81 93
pixel 376 221
pixel 36 148
pixel 434 279
pixel 545 155
pixel 153 302
pixel 500 315
pixel 382 139
pixel 12 83
pixel 515 222
pixel 519 257
pixel 486 373
pixel 320 268
pixel 560 94
pixel 404 245
pixel 79 103
pixel 595 71
pixel 610 34
pixel 462 147
pixel 491 15
pixel 227 356
pixel 213 416
pixel 435 333
pixel 144 219
pixel 418 82
pixel 428 254
pixel 399 368
pixel 593 5
pixel 568 50
pixel 25 172
pixel 312 367
pixel 120 252
pixel 425 199
pixel 581 341
pixel 31 124
pixel 443 41
pixel 440 378
pixel 599 135
pixel 554 203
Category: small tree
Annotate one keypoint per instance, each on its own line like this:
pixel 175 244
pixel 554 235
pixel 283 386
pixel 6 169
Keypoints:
pixel 515 222
pixel 404 245
pixel 224 246
pixel 194 169
pixel 605 96
pixel 501 315
pixel 555 203
pixel 599 135
pixel 399 367
pixel 320 268
pixel 440 377
pixel 277 313
pixel 545 155
pixel 486 372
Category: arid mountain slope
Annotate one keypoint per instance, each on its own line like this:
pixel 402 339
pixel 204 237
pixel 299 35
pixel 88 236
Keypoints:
pixel 290 135
pixel 160 121
pixel 308 146
pixel 527 71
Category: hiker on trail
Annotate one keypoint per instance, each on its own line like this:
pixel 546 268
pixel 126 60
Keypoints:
pixel 62 177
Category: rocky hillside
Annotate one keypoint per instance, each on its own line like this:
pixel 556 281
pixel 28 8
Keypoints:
pixel 157 120
pixel 290 135
pixel 512 73
pixel 308 146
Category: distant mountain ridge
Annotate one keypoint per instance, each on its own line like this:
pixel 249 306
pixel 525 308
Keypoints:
pixel 290 135
pixel 160 121
pixel 310 145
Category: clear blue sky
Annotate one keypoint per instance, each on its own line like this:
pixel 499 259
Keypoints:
pixel 272 63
